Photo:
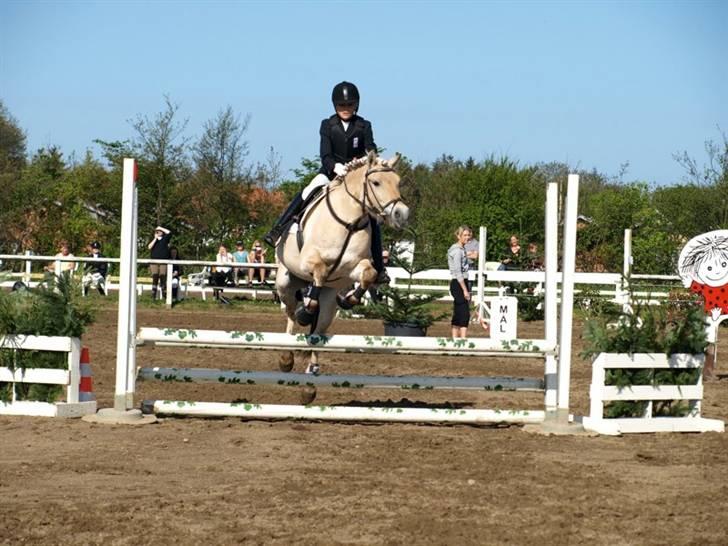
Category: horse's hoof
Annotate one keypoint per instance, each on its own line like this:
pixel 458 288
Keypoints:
pixel 313 369
pixel 285 364
pixel 303 316
pixel 343 301
pixel 308 395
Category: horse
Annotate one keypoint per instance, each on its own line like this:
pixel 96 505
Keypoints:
pixel 332 247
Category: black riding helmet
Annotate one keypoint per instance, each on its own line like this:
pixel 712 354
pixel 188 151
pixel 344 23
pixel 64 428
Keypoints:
pixel 345 92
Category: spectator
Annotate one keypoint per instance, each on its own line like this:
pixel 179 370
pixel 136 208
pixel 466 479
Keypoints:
pixel 257 257
pixel 512 257
pixel 457 262
pixel 472 251
pixel 534 258
pixel 95 272
pixel 241 256
pixel 64 252
pixel 176 272
pixel 221 275
pixel 159 247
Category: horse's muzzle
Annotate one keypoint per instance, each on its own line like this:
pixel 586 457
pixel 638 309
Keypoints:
pixel 397 215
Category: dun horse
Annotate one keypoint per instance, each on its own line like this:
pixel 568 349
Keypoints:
pixel 331 249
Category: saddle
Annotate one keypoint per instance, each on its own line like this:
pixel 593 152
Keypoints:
pixel 298 221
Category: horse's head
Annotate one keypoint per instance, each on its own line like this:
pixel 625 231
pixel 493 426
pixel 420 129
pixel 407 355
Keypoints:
pixel 381 190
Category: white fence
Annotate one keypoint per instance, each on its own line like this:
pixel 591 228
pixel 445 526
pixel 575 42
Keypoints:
pixel 692 394
pixel 431 280
pixel 70 378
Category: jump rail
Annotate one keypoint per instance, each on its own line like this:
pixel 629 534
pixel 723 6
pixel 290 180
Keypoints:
pixel 343 413
pixel 406 382
pixel 537 348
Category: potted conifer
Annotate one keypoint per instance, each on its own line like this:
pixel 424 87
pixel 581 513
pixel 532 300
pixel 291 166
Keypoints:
pixel 405 311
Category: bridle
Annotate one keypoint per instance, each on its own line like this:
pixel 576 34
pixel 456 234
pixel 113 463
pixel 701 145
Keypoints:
pixel 370 204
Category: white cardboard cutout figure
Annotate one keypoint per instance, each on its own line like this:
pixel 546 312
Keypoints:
pixel 703 267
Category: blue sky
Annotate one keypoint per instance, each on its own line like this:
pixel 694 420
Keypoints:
pixel 593 84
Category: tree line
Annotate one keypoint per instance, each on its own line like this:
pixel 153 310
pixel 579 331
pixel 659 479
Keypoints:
pixel 209 192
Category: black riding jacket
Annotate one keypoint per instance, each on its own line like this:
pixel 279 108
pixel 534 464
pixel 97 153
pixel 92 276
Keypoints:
pixel 339 146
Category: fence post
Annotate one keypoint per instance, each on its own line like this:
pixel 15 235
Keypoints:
pixel 626 271
pixel 28 263
pixel 169 284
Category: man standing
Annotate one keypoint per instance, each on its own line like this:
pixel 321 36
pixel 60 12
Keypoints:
pixel 159 247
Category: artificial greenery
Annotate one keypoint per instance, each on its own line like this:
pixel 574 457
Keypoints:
pixel 53 308
pixel 667 329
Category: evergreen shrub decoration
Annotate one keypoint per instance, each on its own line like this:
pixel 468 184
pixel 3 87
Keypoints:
pixel 403 306
pixel 530 307
pixel 664 329
pixel 54 308
pixel 591 303
pixel 406 305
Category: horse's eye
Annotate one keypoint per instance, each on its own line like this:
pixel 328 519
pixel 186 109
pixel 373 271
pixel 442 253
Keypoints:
pixel 376 182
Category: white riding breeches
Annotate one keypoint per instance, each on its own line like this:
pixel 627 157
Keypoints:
pixel 93 280
pixel 319 181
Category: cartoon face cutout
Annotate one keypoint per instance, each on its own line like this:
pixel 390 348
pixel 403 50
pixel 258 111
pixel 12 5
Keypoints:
pixel 713 271
pixel 704 260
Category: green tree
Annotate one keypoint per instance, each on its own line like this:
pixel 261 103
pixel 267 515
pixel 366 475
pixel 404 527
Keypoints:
pixel 214 204
pixel 12 162
pixel 162 153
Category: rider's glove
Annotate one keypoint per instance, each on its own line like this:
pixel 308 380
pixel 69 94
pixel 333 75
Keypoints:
pixel 339 169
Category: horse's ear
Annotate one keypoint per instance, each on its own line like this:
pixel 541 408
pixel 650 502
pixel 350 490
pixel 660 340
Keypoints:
pixel 392 162
pixel 371 158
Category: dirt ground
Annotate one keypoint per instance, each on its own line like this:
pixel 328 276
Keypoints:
pixel 228 481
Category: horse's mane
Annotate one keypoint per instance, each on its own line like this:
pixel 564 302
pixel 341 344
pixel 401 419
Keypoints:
pixel 350 167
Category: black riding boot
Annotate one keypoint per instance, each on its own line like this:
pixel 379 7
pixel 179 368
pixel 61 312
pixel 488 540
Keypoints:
pixel 376 249
pixel 284 221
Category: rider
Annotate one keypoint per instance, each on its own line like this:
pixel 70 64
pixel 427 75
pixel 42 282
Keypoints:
pixel 345 136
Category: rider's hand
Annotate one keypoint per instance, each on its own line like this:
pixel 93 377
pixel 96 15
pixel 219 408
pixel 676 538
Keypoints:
pixel 339 169
pixel 466 295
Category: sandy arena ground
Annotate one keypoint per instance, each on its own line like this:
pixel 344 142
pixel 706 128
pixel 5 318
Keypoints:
pixel 228 481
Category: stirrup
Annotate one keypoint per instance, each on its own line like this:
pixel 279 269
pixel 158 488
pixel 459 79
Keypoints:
pixel 271 237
